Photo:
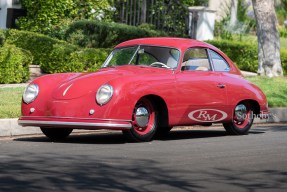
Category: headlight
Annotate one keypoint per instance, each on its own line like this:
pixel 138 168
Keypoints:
pixel 30 93
pixel 104 94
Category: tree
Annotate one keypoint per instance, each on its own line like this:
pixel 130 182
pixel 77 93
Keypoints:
pixel 42 15
pixel 269 62
pixel 92 9
pixel 233 12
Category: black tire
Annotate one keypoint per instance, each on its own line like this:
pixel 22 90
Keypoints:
pixel 143 133
pixel 56 134
pixel 240 127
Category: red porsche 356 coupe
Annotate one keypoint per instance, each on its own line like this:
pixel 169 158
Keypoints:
pixel 145 87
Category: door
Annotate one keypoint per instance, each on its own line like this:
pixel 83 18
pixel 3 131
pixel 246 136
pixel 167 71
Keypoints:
pixel 201 93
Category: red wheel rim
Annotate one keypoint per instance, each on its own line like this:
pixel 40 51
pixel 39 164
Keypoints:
pixel 247 119
pixel 142 130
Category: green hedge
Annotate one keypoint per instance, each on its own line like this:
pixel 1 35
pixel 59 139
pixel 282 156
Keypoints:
pixel 94 34
pixel 55 56
pixel 283 32
pixel 64 60
pixel 59 60
pixel 92 59
pixel 39 45
pixel 14 64
pixel 244 54
pixel 283 54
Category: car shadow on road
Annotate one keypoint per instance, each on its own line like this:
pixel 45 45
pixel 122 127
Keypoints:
pixel 87 138
pixel 118 137
pixel 198 134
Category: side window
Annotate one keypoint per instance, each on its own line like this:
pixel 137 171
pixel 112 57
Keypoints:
pixel 218 62
pixel 196 59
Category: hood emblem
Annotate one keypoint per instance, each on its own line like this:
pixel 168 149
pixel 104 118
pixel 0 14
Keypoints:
pixel 66 90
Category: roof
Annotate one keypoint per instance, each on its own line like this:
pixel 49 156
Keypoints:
pixel 182 43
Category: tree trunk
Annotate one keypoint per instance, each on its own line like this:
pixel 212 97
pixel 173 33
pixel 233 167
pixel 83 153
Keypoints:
pixel 269 62
pixel 143 12
pixel 233 12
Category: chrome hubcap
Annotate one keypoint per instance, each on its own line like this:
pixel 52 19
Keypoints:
pixel 240 112
pixel 142 116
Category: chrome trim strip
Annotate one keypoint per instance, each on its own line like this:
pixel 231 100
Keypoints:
pixel 75 118
pixel 74 124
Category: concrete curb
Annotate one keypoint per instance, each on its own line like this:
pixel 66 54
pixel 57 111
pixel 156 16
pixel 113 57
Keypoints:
pixel 276 115
pixel 10 127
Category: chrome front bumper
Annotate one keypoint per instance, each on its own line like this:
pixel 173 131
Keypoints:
pixel 76 123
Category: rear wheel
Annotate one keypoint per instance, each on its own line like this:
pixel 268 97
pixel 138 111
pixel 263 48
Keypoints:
pixel 56 134
pixel 242 120
pixel 144 122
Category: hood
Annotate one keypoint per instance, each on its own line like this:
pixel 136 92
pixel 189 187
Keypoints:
pixel 90 82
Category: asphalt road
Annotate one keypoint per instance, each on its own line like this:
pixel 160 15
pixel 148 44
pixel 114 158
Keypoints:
pixel 193 160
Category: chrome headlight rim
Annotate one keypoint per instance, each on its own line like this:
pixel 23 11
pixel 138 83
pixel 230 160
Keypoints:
pixel 109 94
pixel 30 89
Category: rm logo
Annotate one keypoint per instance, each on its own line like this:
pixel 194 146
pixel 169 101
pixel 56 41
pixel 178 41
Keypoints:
pixel 207 115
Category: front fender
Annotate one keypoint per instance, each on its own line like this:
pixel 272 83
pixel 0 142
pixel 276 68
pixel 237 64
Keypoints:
pixel 127 92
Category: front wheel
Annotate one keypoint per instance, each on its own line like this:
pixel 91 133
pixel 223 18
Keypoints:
pixel 144 122
pixel 56 134
pixel 242 120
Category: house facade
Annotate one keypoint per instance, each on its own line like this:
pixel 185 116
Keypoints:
pixel 9 11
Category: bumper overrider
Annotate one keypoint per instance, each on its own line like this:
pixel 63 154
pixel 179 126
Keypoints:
pixel 75 123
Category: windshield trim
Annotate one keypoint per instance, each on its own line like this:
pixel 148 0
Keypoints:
pixel 134 54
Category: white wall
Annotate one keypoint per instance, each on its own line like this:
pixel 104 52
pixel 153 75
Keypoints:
pixel 220 7
pixel 205 25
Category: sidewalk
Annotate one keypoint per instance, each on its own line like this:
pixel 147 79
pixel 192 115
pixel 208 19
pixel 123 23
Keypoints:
pixel 10 127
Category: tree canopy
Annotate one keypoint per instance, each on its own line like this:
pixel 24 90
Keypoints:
pixel 43 14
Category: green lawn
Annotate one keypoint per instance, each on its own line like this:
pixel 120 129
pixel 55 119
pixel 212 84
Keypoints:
pixel 283 43
pixel 275 90
pixel 10 102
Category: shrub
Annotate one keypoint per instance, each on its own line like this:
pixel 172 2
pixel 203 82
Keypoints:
pixel 42 15
pixel 39 45
pixel 60 60
pixel 14 64
pixel 283 54
pixel 91 59
pixel 63 59
pixel 245 55
pixel 94 34
pixel 55 56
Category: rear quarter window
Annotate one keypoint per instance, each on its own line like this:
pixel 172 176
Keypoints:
pixel 219 63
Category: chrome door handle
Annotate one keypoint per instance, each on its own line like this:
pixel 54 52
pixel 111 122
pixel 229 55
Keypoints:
pixel 220 85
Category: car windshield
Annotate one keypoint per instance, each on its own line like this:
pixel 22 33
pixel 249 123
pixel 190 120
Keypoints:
pixel 153 56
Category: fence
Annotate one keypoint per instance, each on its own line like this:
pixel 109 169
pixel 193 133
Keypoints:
pixel 168 15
